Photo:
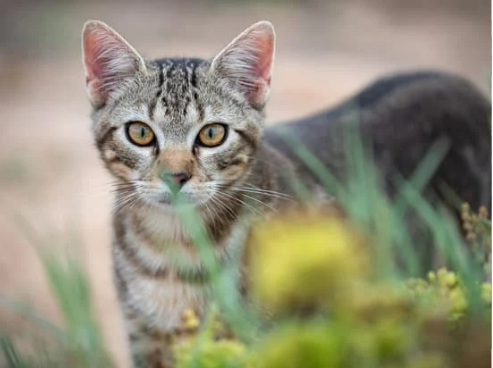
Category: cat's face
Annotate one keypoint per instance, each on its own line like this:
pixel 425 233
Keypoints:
pixel 181 124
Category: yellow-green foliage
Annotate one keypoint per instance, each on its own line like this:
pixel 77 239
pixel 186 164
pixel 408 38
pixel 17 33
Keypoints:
pixel 443 289
pixel 209 353
pixel 296 345
pixel 326 307
pixel 305 260
pixel 321 301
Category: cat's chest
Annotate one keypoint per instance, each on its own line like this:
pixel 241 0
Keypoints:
pixel 155 268
pixel 145 261
pixel 161 302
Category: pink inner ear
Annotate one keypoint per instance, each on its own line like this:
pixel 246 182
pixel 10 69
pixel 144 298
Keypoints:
pixel 108 60
pixel 101 49
pixel 94 64
pixel 90 56
pixel 264 62
pixel 259 78
pixel 247 62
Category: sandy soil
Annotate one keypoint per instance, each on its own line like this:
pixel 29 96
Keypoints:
pixel 49 169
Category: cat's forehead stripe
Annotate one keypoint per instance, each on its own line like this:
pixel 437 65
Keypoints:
pixel 153 103
pixel 178 87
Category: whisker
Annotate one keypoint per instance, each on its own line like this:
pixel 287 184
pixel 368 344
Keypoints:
pixel 259 201
pixel 252 187
pixel 126 200
pixel 250 207
pixel 268 194
pixel 224 206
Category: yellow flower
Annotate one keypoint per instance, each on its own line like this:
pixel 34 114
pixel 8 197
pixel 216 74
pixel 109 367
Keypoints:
pixel 442 291
pixel 302 260
pixel 190 320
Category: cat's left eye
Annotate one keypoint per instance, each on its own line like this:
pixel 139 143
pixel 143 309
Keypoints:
pixel 140 133
pixel 212 135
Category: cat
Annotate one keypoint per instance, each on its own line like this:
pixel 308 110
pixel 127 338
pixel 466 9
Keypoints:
pixel 196 127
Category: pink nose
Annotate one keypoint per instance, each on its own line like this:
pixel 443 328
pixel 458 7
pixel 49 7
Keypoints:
pixel 177 179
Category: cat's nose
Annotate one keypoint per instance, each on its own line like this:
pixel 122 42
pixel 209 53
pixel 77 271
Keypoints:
pixel 176 180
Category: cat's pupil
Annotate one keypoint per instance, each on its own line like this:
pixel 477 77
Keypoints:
pixel 142 132
pixel 210 132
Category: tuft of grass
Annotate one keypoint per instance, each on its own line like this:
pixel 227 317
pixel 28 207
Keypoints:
pixel 78 343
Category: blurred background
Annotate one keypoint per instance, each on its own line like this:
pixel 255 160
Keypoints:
pixel 50 174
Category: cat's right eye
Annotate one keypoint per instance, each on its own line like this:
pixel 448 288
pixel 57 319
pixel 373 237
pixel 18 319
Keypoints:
pixel 212 135
pixel 140 133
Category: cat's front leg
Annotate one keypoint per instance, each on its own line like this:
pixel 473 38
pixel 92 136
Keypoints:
pixel 149 347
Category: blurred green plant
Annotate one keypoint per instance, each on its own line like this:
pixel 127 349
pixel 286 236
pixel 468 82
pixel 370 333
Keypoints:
pixel 79 342
pixel 14 170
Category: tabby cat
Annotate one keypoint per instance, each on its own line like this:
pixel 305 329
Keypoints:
pixel 196 127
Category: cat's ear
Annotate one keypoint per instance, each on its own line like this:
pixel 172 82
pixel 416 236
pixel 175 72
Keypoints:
pixel 247 61
pixel 108 60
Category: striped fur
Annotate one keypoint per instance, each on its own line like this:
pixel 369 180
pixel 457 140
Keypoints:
pixel 157 270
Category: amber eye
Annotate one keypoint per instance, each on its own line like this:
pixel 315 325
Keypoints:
pixel 140 134
pixel 212 135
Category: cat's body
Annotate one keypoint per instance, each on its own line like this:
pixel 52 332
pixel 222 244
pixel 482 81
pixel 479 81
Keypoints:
pixel 156 127
pixel 400 118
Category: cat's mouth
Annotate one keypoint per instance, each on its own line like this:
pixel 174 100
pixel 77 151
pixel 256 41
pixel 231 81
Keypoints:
pixel 183 198
pixel 163 197
pixel 165 201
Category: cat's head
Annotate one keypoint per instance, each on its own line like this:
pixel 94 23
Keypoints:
pixel 174 124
